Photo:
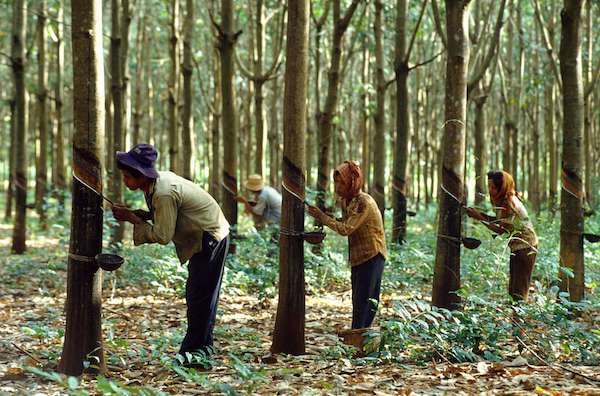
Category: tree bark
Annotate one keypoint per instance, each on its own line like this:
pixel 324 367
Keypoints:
pixel 11 161
pixel 446 278
pixel 174 160
pixel 41 179
pixel 324 137
pixel 83 333
pixel 188 169
pixel 378 190
pixel 116 85
pixel 20 179
pixel 227 39
pixel 571 211
pixel 288 334
pixel 59 157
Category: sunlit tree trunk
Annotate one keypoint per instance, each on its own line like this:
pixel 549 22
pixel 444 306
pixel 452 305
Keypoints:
pixel 83 332
pixel 288 335
pixel 571 197
pixel 20 178
pixel 446 278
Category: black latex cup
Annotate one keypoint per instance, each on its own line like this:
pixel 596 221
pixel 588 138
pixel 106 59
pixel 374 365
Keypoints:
pixel 109 262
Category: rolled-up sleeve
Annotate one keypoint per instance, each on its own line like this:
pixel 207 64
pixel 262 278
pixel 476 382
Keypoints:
pixel 165 220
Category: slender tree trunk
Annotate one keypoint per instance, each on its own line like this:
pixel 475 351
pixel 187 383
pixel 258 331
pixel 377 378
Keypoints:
pixel 446 278
pixel 188 169
pixel 141 58
pixel 20 179
pixel 378 190
pixel 83 332
pixel 174 160
pixel 551 141
pixel 402 125
pixel 340 25
pixel 116 84
pixel 364 116
pixel 481 160
pixel 275 137
pixel 227 39
pixel 288 335
pixel 588 144
pixel 571 212
pixel 215 170
pixel 59 157
pixel 41 180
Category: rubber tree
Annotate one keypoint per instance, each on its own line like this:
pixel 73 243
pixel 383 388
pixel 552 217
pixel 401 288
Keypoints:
pixel 572 195
pixel 446 276
pixel 20 176
pixel 83 332
pixel 288 335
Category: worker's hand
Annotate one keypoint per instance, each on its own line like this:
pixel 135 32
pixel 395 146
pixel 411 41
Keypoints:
pixel 123 213
pixel 241 199
pixel 316 212
pixel 474 214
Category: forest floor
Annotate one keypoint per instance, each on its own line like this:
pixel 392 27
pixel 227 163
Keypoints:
pixel 142 327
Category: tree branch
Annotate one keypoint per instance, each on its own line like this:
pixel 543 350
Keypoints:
pixel 414 35
pixel 427 61
pixel 491 49
pixel 547 44
pixel 438 22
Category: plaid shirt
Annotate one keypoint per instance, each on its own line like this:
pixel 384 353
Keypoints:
pixel 361 222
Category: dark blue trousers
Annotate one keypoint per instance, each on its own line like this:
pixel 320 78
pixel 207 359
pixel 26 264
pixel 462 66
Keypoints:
pixel 366 285
pixel 205 272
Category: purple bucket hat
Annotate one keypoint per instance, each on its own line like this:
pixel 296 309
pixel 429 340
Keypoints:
pixel 141 158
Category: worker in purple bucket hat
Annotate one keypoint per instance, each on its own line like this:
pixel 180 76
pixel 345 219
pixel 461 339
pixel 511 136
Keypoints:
pixel 182 212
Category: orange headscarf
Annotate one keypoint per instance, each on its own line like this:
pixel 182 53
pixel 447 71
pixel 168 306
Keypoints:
pixel 503 192
pixel 350 172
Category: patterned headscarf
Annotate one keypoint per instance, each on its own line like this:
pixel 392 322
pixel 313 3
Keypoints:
pixel 350 172
pixel 505 188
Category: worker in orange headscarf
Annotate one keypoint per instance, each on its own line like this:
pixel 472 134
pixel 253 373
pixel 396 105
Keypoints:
pixel 361 221
pixel 511 219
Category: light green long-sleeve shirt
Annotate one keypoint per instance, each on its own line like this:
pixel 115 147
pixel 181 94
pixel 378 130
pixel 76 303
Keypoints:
pixel 182 212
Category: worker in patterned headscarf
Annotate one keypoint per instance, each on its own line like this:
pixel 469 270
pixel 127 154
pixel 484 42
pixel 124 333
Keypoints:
pixel 361 221
pixel 511 219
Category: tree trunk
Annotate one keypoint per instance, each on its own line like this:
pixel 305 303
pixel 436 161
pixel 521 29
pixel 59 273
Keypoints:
pixel 402 125
pixel 188 169
pixel 215 171
pixel 116 84
pixel 326 116
pixel 275 137
pixel 288 335
pixel 571 211
pixel 41 179
pixel 481 160
pixel 141 57
pixel 446 278
pixel 59 157
pixel 364 116
pixel 227 39
pixel 83 332
pixel 378 190
pixel 174 160
pixel 588 143
pixel 20 179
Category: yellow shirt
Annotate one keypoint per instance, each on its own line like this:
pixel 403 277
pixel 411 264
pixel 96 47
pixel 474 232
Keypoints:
pixel 182 212
pixel 361 222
